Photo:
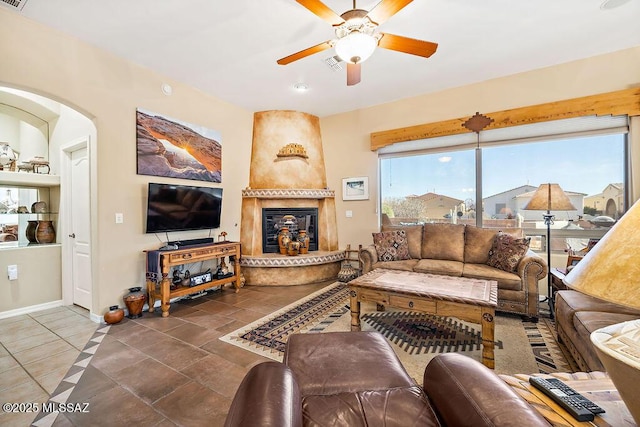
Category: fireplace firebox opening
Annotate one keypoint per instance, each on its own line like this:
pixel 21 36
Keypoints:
pixel 272 222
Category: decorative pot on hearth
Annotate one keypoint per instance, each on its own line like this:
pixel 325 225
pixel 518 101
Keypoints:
pixel 293 249
pixel 284 238
pixel 134 301
pixel 303 238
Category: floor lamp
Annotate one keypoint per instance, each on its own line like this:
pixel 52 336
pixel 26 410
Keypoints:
pixel 549 197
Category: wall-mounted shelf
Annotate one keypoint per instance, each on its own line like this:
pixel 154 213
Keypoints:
pixel 30 213
pixel 28 179
pixel 30 188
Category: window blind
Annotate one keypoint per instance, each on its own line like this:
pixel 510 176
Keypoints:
pixel 555 129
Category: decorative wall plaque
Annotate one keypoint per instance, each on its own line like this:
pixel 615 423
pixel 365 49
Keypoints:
pixel 293 150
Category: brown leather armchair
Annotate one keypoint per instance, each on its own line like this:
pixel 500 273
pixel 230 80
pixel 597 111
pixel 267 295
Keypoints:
pixel 355 379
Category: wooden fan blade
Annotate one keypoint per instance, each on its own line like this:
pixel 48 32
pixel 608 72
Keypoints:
pixel 386 9
pixel 407 45
pixel 304 53
pixel 353 74
pixel 320 9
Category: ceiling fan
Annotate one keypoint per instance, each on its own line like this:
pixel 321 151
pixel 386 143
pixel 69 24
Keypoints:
pixel 357 38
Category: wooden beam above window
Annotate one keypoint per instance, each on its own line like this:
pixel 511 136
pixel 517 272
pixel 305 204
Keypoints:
pixel 614 103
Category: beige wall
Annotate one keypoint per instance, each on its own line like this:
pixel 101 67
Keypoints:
pixel 38 277
pixel 616 71
pixel 108 90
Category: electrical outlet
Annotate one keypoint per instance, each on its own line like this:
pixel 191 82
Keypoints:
pixel 12 272
pixel 119 218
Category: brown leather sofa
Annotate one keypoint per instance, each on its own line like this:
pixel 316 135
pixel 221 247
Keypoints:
pixel 577 316
pixel 463 250
pixel 355 379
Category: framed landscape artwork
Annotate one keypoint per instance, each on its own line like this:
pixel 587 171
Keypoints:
pixel 355 188
pixel 174 148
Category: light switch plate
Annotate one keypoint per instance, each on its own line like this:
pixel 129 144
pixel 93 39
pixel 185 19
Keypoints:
pixel 349 214
pixel 119 218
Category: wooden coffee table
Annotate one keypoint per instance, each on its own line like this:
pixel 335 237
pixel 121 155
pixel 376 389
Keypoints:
pixel 595 386
pixel 473 300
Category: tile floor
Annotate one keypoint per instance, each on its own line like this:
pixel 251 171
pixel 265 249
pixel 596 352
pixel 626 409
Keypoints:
pixel 151 371
pixel 36 351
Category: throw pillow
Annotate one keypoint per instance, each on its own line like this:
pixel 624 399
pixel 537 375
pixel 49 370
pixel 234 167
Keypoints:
pixel 507 251
pixel 391 245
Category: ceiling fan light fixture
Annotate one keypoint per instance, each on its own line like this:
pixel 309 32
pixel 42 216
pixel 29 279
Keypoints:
pixel 356 47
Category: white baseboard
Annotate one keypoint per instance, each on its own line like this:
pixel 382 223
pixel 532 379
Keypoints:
pixel 30 309
pixel 96 318
pixel 39 307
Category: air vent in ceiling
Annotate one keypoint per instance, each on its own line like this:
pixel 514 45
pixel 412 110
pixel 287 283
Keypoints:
pixel 333 62
pixel 14 4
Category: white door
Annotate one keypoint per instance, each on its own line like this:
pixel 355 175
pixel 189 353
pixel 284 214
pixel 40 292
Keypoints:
pixel 80 227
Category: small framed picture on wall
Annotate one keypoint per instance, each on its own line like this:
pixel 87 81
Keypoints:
pixel 355 188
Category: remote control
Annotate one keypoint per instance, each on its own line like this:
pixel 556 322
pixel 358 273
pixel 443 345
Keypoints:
pixel 581 408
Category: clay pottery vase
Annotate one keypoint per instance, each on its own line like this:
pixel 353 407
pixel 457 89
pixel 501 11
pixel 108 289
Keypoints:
pixel 347 273
pixel 294 248
pixel 114 315
pixel 134 301
pixel 31 231
pixel 45 233
pixel 303 238
pixel 39 207
pixel 284 238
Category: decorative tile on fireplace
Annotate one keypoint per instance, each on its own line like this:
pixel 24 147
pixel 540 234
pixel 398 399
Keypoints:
pixel 292 261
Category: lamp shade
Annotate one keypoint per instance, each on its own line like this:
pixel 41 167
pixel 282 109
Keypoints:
pixel 356 47
pixel 611 270
pixel 549 197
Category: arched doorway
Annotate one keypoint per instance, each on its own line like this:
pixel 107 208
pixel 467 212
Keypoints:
pixel 39 127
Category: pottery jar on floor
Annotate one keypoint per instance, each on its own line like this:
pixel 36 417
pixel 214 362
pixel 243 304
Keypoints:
pixel 134 301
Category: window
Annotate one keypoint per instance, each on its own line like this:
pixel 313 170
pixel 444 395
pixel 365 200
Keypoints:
pixel 440 186
pixel 590 170
pixel 429 187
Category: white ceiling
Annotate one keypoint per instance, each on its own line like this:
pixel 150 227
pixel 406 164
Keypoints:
pixel 229 48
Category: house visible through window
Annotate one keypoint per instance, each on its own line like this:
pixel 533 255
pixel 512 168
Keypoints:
pixel 438 186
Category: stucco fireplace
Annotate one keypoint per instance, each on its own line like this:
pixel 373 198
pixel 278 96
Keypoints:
pixel 287 175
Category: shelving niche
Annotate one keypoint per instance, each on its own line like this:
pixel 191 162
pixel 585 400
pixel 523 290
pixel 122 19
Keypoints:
pixel 23 189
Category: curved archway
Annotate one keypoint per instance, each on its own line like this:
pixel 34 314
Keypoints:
pixel 40 126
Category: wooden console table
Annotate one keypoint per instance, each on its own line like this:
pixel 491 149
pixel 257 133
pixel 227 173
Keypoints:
pixel 595 386
pixel 186 255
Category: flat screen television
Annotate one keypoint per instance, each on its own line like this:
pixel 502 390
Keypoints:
pixel 182 207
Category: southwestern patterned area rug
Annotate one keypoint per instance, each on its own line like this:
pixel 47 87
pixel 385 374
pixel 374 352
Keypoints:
pixel 520 347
